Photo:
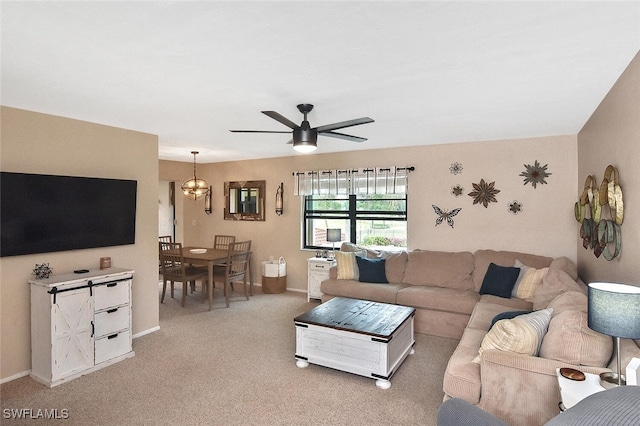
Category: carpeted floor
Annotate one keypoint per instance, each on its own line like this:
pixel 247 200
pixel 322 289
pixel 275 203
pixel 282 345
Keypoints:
pixel 236 366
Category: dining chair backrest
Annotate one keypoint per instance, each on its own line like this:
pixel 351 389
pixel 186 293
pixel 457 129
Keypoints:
pixel 238 258
pixel 171 259
pixel 165 239
pixel 222 241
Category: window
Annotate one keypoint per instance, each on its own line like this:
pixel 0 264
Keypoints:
pixel 378 221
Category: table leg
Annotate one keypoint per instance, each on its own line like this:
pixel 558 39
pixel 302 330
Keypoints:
pixel 210 284
pixel 250 276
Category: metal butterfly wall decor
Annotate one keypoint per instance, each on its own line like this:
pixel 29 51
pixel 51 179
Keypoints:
pixel 442 215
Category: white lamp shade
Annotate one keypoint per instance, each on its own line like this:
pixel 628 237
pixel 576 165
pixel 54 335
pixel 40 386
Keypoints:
pixel 614 309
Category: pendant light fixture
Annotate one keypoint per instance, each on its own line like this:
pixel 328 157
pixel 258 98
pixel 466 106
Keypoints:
pixel 195 188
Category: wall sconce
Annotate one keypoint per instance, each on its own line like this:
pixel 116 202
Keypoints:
pixel 279 192
pixel 207 201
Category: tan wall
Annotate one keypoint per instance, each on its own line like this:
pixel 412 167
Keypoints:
pixel 612 136
pixel 545 226
pixel 39 143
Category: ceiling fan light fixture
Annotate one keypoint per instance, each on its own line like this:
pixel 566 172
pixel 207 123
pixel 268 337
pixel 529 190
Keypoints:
pixel 305 147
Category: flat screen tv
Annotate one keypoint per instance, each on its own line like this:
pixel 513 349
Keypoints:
pixel 48 213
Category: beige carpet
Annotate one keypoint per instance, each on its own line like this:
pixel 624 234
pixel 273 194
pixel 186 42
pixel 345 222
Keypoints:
pixel 236 366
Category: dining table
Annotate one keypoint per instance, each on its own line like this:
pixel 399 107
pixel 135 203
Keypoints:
pixel 211 256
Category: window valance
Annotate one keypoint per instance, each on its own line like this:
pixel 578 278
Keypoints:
pixel 372 180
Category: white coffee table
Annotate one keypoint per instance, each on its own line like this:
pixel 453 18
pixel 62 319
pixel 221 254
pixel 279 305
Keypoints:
pixel 367 338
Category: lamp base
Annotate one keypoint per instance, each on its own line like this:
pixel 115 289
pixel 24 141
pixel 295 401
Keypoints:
pixel 609 380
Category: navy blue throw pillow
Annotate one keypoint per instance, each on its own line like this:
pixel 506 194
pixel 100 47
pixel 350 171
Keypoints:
pixel 507 315
pixel 372 270
pixel 499 280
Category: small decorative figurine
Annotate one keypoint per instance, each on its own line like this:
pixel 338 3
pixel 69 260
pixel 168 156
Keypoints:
pixel 42 271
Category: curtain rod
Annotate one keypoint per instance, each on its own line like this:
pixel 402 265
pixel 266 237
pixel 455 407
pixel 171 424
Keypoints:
pixel 409 169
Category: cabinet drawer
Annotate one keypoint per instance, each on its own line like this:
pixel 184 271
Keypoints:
pixel 320 266
pixel 111 346
pixel 112 294
pixel 112 321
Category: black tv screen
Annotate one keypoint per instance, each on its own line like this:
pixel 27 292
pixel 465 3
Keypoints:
pixel 47 213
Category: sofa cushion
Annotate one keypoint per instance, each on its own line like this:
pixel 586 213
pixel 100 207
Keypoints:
pixel 357 290
pixel 499 280
pixel 570 340
pixel 350 247
pixel 347 266
pixel 371 270
pixel 440 269
pixel 439 299
pixel 569 301
pixel 523 334
pixel 396 262
pixel 554 283
pixel 486 310
pixel 565 264
pixel 483 258
pixel 462 377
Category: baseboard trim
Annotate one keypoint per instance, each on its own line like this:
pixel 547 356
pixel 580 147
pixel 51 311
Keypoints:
pixel 15 376
pixel 145 332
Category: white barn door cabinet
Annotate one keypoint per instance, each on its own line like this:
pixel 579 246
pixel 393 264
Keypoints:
pixel 79 323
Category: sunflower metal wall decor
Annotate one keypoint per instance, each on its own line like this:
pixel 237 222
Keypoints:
pixel 457 191
pixel 456 168
pixel 515 207
pixel 535 174
pixel 484 193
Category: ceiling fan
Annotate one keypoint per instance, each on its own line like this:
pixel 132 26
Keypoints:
pixel 304 137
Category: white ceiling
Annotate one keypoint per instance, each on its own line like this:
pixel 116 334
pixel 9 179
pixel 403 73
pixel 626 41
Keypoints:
pixel 426 72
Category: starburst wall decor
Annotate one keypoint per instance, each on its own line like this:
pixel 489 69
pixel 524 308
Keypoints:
pixel 484 193
pixel 535 174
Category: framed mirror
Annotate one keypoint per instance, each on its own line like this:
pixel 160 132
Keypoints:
pixel 244 200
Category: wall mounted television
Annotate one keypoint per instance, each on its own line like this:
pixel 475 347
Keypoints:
pixel 49 213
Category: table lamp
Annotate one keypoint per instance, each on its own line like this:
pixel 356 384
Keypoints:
pixel 334 235
pixel 614 310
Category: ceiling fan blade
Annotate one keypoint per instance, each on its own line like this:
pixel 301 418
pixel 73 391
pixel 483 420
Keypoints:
pixel 343 124
pixel 282 119
pixel 260 131
pixel 343 136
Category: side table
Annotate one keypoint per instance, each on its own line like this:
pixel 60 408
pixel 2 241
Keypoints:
pixel 573 391
pixel 318 271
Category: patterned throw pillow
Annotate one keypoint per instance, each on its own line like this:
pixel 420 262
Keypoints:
pixel 347 266
pixel 522 334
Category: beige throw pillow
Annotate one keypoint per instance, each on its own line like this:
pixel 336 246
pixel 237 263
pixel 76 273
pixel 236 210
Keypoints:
pixel 522 334
pixel 347 266
pixel 530 281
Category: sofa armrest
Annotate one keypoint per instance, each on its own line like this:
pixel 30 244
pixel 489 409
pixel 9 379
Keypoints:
pixel 333 273
pixel 522 384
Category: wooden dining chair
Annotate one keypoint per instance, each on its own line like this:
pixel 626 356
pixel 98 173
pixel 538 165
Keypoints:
pixel 175 269
pixel 163 239
pixel 222 241
pixel 236 268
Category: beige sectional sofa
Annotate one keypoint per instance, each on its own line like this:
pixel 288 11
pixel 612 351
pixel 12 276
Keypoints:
pixel 444 287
